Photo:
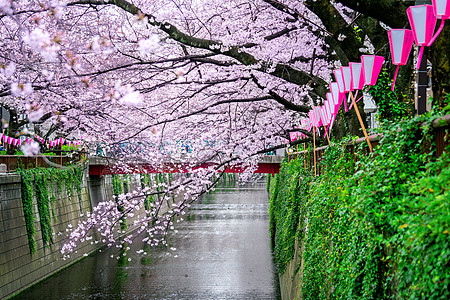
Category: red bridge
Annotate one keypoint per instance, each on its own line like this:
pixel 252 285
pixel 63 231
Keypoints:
pixel 99 166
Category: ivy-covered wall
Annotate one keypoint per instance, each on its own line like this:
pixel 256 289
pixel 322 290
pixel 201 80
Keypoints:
pixel 375 229
pixel 35 206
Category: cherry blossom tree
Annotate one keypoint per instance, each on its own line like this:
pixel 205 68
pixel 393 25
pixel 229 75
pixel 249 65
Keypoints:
pixel 230 79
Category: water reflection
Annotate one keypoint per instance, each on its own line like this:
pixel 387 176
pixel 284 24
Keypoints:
pixel 223 252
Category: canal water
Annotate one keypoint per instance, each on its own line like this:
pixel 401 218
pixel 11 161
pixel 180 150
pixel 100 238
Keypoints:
pixel 222 252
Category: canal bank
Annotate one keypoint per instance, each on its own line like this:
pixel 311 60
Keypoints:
pixel 221 250
pixel 20 266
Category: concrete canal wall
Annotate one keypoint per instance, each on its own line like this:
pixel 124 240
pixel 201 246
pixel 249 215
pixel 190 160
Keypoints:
pixel 19 268
pixel 290 280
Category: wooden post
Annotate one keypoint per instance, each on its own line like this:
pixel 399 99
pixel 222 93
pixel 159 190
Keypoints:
pixel 361 122
pixel 61 153
pixel 314 150
pixel 304 156
pixel 328 138
pixel 297 151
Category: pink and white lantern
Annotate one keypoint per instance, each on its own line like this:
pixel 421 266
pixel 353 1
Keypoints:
pixel 441 9
pixel 371 66
pixel 400 41
pixel 340 81
pixel 357 76
pixel 336 95
pixel 423 22
pixel 347 76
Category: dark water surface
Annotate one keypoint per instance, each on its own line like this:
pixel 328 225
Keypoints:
pixel 222 248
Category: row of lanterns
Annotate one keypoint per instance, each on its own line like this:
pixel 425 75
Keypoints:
pixel 57 142
pixel 423 19
pixel 52 143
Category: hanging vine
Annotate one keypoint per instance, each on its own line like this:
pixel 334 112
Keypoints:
pixel 48 182
pixel 42 199
pixel 118 188
pixel 27 202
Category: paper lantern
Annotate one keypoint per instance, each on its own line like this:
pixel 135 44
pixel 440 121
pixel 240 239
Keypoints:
pixel 312 118
pixel 441 9
pixel 356 73
pixel 347 76
pixel 423 22
pixel 323 109
pixel 293 136
pixel 322 117
pixel 328 105
pixel 330 102
pixel 318 121
pixel 339 79
pixel 336 95
pixel 371 66
pixel 400 41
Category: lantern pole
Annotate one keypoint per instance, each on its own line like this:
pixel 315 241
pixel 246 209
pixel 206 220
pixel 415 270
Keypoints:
pixel 422 76
pixel 314 150
pixel 361 122
pixel 422 86
pixel 304 156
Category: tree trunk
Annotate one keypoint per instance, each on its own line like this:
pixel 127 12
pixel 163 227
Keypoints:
pixel 13 127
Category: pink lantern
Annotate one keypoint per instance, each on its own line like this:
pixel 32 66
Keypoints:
pixel 319 113
pixel 323 113
pixel 293 136
pixel 441 9
pixel 357 76
pixel 331 106
pixel 423 22
pixel 341 88
pixel 336 95
pixel 347 76
pixel 330 102
pixel 328 108
pixel 400 41
pixel 317 117
pixel 371 66
pixel 339 79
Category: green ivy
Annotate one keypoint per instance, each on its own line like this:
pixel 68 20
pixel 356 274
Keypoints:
pixel 42 199
pixel 286 189
pixel 46 180
pixel 119 186
pixel 146 181
pixel 27 202
pixel 391 105
pixel 377 229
